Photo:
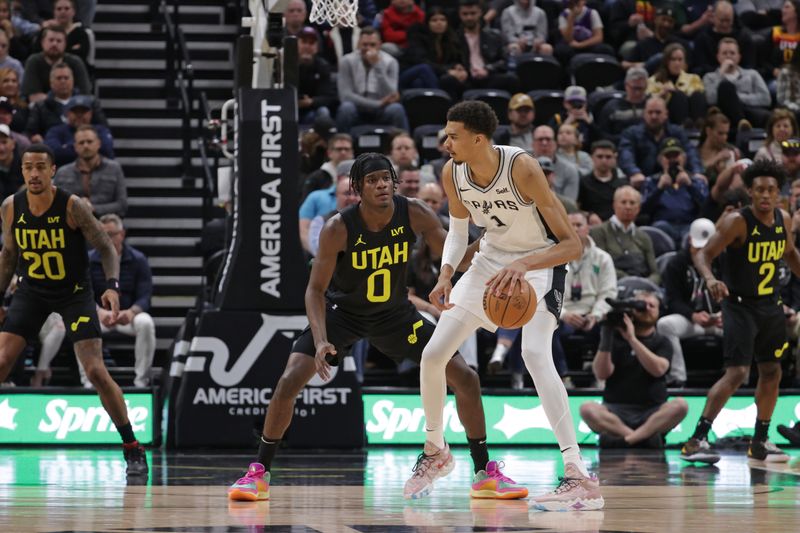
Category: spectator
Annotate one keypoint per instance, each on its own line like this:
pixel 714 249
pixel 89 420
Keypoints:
pixel 648 51
pixel 693 311
pixel 6 60
pixel 672 199
pixel 10 161
pixel 581 30
pixel 788 85
pixel 786 36
pixel 367 84
pixel 18 30
pixel 397 18
pixel 403 151
pixel 294 17
pixel 9 88
pixel 316 91
pixel 434 56
pixel 630 21
pixel 437 164
pixel 409 177
pixel 577 114
pixel 550 172
pixel 781 125
pixel 567 178
pixel 524 27
pixel 521 113
pixel 51 335
pixel 345 196
pixel 590 280
pixel 96 179
pixel 758 14
pixel 596 192
pixel 739 92
pixel 320 202
pixel 60 139
pixel 791 158
pixel 716 153
pixel 635 410
pixel 6 117
pixel 49 112
pixel 78 43
pixel 682 91
pixel 487 65
pixel 569 147
pixel 629 247
pixel 135 291
pixel 340 148
pixel 620 113
pixel 638 145
pixel 706 43
pixel 36 82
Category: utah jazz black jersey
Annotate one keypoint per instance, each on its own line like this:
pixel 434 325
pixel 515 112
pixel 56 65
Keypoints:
pixel 52 256
pixel 751 270
pixel 370 275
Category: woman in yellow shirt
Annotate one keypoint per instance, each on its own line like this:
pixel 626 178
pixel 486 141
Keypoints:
pixel 683 92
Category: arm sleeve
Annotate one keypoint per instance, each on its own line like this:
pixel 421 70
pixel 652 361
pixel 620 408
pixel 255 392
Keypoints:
pixel 455 244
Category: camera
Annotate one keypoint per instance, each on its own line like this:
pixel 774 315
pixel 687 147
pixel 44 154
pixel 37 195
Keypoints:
pixel 673 170
pixel 619 308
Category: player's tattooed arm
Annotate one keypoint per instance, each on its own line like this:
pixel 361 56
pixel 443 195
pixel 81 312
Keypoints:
pixel 9 253
pixel 81 216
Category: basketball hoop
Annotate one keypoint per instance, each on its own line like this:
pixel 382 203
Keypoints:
pixel 335 12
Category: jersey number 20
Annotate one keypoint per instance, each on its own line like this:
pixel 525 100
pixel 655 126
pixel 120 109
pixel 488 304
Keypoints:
pixel 49 265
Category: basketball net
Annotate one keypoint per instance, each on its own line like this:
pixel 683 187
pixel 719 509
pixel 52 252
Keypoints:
pixel 335 12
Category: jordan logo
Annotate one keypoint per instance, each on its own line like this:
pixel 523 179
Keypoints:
pixel 412 339
pixel 779 230
pixel 360 240
pixel 755 232
pixel 21 219
pixel 81 320
pixel 77 288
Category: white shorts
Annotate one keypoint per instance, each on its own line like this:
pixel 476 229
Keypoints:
pixel 467 295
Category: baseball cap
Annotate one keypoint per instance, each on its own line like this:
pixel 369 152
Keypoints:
pixel 575 93
pixel 670 144
pixel 5 130
pixel 546 163
pixel 79 100
pixel 308 33
pixel 791 145
pixel 666 11
pixel 324 126
pixel 6 104
pixel 700 231
pixel 520 100
pixel 636 73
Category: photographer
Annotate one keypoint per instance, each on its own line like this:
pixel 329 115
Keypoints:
pixel 672 198
pixel 634 361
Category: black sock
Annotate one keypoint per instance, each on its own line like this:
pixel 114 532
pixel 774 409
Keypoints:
pixel 266 451
pixel 126 432
pixel 479 452
pixel 762 426
pixel 702 429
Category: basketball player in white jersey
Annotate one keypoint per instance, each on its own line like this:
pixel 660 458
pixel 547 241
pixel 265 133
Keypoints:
pixel 528 237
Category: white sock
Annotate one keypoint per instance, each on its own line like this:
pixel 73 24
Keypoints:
pixel 573 455
pixel 435 436
pixel 499 354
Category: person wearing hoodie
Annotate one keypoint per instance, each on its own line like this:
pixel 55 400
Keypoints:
pixel 524 28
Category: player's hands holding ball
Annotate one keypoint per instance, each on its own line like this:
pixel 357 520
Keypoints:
pixel 325 352
pixel 110 300
pixel 507 278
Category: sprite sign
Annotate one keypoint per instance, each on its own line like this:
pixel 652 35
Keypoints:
pixel 69 419
pixel 399 419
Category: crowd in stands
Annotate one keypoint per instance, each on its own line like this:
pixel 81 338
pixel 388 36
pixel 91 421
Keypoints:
pixel 643 115
pixel 47 95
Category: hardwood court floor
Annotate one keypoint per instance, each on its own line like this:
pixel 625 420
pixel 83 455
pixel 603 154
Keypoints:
pixel 84 490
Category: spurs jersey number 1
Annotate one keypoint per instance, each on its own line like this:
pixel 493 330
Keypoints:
pixel 51 254
pixel 512 224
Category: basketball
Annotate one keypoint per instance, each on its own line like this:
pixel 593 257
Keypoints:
pixel 510 311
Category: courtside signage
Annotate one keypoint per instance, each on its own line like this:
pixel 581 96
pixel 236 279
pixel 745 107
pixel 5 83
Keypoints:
pixel 399 419
pixel 69 419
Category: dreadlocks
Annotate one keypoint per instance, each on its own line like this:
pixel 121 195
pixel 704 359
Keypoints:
pixel 368 163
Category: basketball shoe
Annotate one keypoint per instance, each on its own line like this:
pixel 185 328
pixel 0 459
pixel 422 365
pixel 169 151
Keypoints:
pixel 700 451
pixel 135 458
pixel 432 464
pixel 764 450
pixel 790 433
pixel 576 492
pixel 491 483
pixel 254 486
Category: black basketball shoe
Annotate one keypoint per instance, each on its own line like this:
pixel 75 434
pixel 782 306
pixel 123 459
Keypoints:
pixel 136 459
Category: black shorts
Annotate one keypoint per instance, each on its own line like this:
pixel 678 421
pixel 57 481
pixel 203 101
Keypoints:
pixel 632 415
pixel 753 329
pixel 30 308
pixel 401 335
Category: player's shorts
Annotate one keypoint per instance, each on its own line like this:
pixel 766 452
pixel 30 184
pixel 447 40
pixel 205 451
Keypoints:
pixel 754 327
pixel 401 335
pixel 30 308
pixel 467 294
pixel 632 415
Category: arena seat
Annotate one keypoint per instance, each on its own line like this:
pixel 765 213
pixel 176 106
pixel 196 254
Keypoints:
pixel 595 70
pixel 426 106
pixel 537 72
pixel 496 98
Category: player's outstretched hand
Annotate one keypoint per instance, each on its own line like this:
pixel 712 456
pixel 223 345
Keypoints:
pixel 718 289
pixel 323 368
pixel 110 300
pixel 440 295
pixel 507 278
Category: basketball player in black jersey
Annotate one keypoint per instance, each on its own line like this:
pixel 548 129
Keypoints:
pixel 358 290
pixel 754 240
pixel 44 240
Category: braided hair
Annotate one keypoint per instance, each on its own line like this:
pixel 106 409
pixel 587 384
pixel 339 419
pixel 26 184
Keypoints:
pixel 367 163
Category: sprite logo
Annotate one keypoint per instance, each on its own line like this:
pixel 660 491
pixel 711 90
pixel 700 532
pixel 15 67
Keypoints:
pixel 61 419
pixel 391 420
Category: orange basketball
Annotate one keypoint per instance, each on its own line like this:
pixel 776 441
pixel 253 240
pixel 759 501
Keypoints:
pixel 511 311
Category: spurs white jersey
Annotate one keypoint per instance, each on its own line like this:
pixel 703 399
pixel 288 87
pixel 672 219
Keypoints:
pixel 512 225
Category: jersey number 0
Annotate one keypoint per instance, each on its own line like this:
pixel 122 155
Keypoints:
pixel 385 285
